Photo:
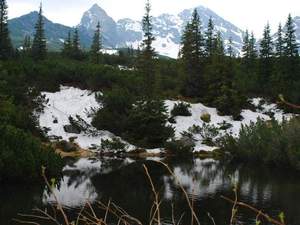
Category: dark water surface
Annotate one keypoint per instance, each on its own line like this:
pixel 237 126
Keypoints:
pixel 125 183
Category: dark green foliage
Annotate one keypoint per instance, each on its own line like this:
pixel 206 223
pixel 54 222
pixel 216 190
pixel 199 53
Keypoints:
pixel 146 63
pixel 207 132
pixel 140 122
pixel 192 56
pixel 6 49
pixel 179 148
pixel 267 142
pixel 113 117
pixel 39 45
pixel 96 45
pixel 210 33
pixel 76 52
pixel 146 124
pixel 115 144
pixel 22 156
pixel 181 109
pixel 266 61
pixel 291 46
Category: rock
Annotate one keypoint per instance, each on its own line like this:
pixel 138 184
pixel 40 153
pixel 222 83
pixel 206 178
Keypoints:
pixel 71 129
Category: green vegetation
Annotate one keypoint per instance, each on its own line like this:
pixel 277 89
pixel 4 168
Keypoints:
pixel 181 109
pixel 135 83
pixel 267 142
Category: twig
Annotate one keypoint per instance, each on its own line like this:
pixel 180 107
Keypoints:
pixel 156 196
pixel 266 216
pixel 211 218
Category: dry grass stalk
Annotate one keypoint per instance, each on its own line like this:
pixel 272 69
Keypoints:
pixel 258 212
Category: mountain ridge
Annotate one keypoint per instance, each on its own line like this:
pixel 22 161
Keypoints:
pixel 126 32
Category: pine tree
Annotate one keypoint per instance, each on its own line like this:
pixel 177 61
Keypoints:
pixel 96 45
pixel 68 45
pixel 192 56
pixel 218 46
pixel 290 41
pixel 279 42
pixel 76 50
pixel 248 81
pixel 266 44
pixel 291 74
pixel 252 47
pixel 245 48
pixel 209 35
pixel 39 48
pixel 6 48
pixel 146 60
pixel 266 63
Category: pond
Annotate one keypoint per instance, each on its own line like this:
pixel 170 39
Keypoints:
pixel 124 182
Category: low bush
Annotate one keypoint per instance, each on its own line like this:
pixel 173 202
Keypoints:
pixel 181 109
pixel 207 132
pixel 22 156
pixel 268 142
pixel 180 147
pixel 205 117
pixel 115 144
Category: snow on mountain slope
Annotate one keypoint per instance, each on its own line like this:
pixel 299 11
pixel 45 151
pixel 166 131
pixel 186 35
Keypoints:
pixel 71 101
pixel 167 29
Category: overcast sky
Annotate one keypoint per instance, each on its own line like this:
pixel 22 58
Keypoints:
pixel 246 14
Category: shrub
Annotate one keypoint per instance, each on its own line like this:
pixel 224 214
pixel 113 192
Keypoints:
pixel 146 125
pixel 207 132
pixel 181 109
pixel 22 156
pixel 224 125
pixel 268 142
pixel 205 117
pixel 180 147
pixel 115 144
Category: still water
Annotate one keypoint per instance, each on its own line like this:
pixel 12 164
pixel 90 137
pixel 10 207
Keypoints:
pixel 124 182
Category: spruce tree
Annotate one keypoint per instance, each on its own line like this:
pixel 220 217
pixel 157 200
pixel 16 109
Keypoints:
pixel 76 50
pixel 291 74
pixel 209 35
pixel 39 48
pixel 248 81
pixel 146 60
pixel 252 48
pixel 192 56
pixel 96 45
pixel 290 41
pixel 245 48
pixel 279 43
pixel 266 53
pixel 6 48
pixel 68 45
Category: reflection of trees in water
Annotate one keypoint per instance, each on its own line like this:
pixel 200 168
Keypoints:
pixel 206 180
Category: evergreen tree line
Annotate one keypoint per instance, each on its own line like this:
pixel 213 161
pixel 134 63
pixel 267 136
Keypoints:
pixel 213 74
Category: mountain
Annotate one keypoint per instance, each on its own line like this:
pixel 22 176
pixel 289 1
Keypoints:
pixel 88 25
pixel 24 25
pixel 297 26
pixel 126 32
pixel 167 29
